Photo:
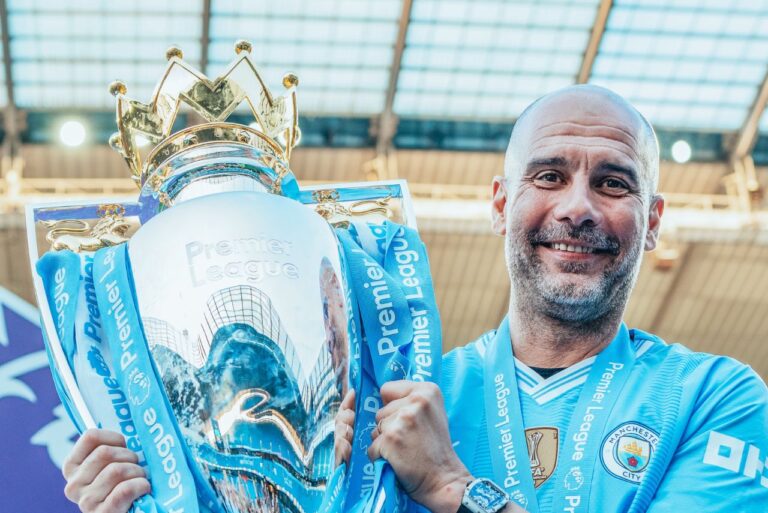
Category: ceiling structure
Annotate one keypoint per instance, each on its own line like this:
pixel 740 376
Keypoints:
pixel 427 91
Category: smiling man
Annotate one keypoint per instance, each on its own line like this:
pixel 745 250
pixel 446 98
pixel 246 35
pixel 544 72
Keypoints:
pixel 564 408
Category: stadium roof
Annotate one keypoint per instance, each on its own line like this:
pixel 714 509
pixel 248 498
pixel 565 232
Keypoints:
pixel 454 73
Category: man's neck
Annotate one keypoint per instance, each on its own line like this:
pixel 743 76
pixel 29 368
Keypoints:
pixel 540 341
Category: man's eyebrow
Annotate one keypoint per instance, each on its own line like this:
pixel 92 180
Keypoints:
pixel 545 162
pixel 627 171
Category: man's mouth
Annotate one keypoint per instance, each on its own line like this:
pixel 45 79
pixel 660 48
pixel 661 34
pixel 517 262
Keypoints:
pixel 572 247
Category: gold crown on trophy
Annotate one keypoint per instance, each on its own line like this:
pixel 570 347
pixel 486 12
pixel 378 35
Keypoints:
pixel 274 129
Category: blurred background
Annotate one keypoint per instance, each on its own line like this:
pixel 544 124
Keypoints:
pixel 428 91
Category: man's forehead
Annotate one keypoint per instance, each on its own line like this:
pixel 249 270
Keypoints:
pixel 580 113
pixel 588 111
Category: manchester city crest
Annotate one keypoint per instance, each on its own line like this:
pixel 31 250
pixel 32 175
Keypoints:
pixel 627 451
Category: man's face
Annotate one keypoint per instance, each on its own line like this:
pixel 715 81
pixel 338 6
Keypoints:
pixel 577 207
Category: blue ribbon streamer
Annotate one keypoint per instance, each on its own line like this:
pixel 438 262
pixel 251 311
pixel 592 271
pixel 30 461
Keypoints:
pixel 60 273
pixel 389 272
pixel 176 485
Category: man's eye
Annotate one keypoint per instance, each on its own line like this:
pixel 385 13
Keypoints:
pixel 614 186
pixel 548 177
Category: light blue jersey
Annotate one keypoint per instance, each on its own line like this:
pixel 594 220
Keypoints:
pixel 684 429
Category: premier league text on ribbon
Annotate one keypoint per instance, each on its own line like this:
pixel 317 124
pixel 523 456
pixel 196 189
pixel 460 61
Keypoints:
pixel 163 442
pixel 422 340
pixel 507 445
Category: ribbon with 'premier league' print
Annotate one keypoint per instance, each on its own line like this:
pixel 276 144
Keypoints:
pixel 60 273
pixel 506 432
pixel 389 273
pixel 176 486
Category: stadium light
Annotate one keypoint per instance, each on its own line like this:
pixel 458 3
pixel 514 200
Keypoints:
pixel 681 151
pixel 72 133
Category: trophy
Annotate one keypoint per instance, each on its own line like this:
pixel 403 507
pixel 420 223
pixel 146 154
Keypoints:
pixel 213 320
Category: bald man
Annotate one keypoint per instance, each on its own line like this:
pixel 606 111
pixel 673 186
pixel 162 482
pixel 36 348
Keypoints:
pixel 563 408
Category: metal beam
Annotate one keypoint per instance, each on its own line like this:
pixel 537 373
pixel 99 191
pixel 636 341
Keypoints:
pixel 13 140
pixel 598 29
pixel 747 136
pixel 205 37
pixel 387 121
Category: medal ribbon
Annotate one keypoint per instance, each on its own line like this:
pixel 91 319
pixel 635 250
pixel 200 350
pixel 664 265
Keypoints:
pixel 506 431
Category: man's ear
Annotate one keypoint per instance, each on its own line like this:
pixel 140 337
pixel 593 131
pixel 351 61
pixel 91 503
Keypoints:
pixel 498 204
pixel 654 222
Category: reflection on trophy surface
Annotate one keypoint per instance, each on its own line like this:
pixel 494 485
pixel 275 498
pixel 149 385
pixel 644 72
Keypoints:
pixel 247 325
pixel 241 293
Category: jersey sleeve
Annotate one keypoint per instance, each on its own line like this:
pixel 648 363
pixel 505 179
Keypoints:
pixel 721 463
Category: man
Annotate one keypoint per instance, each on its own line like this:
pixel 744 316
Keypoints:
pixel 563 407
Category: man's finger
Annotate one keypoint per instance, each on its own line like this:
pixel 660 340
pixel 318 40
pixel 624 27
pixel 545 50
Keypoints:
pixel 99 458
pixel 345 417
pixel 85 446
pixel 393 390
pixel 112 477
pixel 124 494
pixel 374 450
pixel 391 408
pixel 343 452
pixel 348 403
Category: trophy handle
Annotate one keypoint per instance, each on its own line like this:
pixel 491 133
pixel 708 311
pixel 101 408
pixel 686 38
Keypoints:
pixel 341 203
pixel 63 377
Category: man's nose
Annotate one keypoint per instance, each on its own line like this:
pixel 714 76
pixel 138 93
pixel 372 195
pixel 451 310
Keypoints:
pixel 578 206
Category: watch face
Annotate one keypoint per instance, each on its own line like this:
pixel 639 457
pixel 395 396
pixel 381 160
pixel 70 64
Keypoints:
pixel 485 494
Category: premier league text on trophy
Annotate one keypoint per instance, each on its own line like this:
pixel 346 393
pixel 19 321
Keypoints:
pixel 239 258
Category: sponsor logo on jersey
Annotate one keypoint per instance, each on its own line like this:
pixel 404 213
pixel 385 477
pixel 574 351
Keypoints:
pixel 727 452
pixel 627 450
pixel 542 451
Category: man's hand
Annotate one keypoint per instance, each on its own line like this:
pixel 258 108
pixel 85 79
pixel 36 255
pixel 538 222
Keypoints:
pixel 412 435
pixel 103 476
pixel 344 429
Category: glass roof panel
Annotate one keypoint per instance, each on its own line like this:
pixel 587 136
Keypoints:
pixel 690 64
pixel 65 54
pixel 488 59
pixel 341 50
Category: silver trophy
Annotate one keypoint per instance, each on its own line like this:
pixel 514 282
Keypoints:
pixel 239 282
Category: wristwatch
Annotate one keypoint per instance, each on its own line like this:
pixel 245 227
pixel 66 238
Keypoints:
pixel 483 496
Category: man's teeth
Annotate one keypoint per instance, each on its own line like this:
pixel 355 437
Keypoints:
pixel 572 249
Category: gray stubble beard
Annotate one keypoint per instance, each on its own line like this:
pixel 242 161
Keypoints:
pixel 566 305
